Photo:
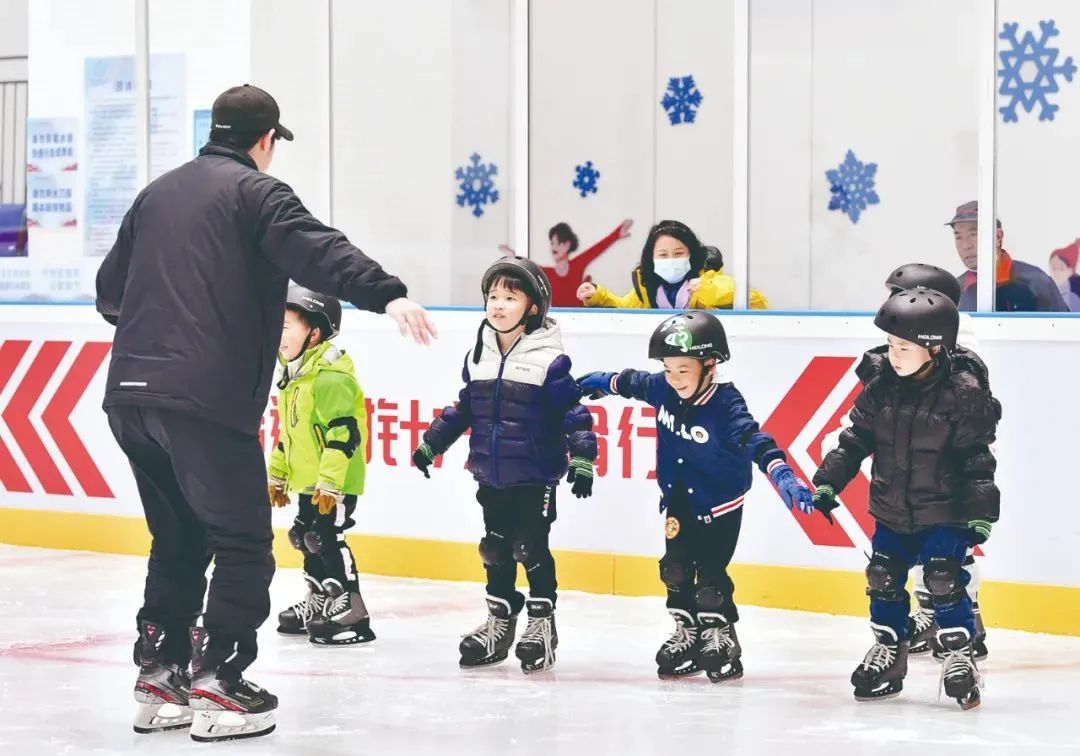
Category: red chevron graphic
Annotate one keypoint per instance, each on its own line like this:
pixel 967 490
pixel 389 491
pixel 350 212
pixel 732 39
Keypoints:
pixel 58 411
pixel 791 416
pixel 11 477
pixel 55 417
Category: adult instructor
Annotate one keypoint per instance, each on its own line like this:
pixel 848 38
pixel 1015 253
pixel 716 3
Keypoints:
pixel 195 285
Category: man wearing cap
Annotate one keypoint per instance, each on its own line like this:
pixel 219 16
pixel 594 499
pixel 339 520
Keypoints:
pixel 196 285
pixel 1011 275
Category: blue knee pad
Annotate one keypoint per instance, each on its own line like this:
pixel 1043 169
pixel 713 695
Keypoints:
pixel 885 577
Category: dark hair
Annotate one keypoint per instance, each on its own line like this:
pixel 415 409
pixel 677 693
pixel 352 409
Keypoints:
pixel 564 233
pixel 677 230
pixel 511 281
pixel 309 322
pixel 238 140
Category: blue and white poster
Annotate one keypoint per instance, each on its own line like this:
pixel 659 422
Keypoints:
pixel 50 200
pixel 51 145
pixel 200 130
pixel 111 182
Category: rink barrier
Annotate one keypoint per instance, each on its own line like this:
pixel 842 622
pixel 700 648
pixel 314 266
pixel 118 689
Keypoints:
pixel 1018 606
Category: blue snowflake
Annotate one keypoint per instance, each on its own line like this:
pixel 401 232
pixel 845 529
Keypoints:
pixel 477 187
pixel 852 186
pixel 1030 72
pixel 585 181
pixel 681 100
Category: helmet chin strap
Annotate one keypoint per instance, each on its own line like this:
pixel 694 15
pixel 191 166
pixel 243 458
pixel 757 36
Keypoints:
pixel 703 380
pixel 487 324
pixel 286 374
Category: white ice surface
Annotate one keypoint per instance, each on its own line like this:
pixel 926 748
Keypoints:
pixel 66 675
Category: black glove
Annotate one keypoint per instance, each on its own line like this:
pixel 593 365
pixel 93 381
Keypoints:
pixel 825 501
pixel 423 457
pixel 581 475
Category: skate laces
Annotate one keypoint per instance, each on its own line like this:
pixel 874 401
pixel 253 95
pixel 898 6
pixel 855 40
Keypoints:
pixel 717 638
pixel 337 605
pixel 958 663
pixel 879 657
pixel 683 638
pixel 923 621
pixel 310 607
pixel 490 631
pixel 538 630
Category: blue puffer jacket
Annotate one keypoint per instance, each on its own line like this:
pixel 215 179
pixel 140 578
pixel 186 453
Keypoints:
pixel 523 409
pixel 705 450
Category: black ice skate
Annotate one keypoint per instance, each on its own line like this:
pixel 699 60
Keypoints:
pixel 161 689
pixel 536 649
pixel 678 656
pixel 921 626
pixel 720 649
pixel 490 643
pixel 881 674
pixel 959 676
pixel 344 621
pixel 978 646
pixel 225 705
pixel 295 619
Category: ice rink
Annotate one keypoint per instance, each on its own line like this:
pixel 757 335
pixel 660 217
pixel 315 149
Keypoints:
pixel 66 675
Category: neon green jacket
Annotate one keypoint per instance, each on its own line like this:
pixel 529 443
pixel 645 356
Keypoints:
pixel 323 424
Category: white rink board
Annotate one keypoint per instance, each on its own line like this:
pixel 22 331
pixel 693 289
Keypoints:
pixel 1033 364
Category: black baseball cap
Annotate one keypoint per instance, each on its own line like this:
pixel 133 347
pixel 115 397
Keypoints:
pixel 247 110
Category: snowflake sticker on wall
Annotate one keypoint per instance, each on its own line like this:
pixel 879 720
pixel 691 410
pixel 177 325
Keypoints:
pixel 681 100
pixel 476 185
pixel 852 186
pixel 1029 71
pixel 586 177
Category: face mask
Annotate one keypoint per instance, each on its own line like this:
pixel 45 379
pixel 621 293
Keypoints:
pixel 672 270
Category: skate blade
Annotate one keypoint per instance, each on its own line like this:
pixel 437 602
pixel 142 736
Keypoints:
pixel 729 673
pixel 884 695
pixel 349 638
pixel 291 633
pixel 680 672
pixel 218 725
pixel 161 717
pixel 487 661
pixel 972 702
pixel 534 668
pixel 919 650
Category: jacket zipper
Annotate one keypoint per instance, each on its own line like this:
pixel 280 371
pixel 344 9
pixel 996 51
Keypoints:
pixel 495 409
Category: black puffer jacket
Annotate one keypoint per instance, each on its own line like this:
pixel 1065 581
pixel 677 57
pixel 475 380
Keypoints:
pixel 930 441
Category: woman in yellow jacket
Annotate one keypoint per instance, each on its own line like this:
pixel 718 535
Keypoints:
pixel 672 275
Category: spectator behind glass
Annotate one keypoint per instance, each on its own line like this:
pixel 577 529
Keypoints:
pixel 1063 271
pixel 1022 275
pixel 672 274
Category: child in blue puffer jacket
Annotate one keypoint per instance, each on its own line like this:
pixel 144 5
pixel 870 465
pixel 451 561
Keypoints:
pixel 528 429
pixel 707 443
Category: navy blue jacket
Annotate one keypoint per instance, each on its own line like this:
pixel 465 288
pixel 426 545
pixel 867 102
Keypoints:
pixel 524 412
pixel 705 450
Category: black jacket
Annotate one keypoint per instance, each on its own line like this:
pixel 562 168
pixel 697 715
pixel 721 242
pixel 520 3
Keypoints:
pixel 930 442
pixel 196 283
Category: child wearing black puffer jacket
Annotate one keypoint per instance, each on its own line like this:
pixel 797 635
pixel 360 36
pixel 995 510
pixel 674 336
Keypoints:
pixel 528 430
pixel 928 418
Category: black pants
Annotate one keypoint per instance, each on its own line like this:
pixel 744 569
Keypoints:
pixel 518 522
pixel 697 557
pixel 203 490
pixel 333 558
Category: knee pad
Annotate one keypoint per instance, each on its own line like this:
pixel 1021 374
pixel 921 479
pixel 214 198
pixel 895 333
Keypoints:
pixel 490 550
pixel 709 599
pixel 296 537
pixel 528 554
pixel 885 577
pixel 942 575
pixel 318 542
pixel 673 572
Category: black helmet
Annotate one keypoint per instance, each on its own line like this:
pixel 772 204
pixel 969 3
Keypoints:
pixel 696 334
pixel 923 316
pixel 535 281
pixel 929 276
pixel 322 310
pixel 714 258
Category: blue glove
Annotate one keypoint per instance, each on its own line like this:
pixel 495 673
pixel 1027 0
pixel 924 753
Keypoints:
pixel 791 488
pixel 595 385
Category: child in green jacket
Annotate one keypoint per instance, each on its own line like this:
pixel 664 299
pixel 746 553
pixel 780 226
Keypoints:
pixel 320 457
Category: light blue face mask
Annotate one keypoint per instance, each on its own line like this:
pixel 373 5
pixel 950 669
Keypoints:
pixel 672 270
